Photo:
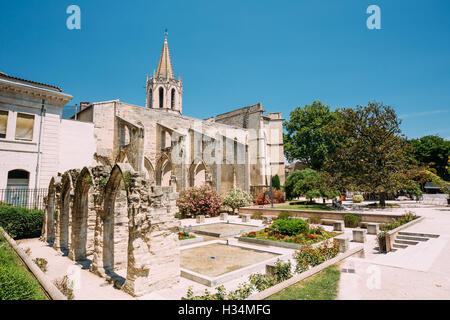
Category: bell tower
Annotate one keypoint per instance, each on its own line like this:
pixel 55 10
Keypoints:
pixel 163 91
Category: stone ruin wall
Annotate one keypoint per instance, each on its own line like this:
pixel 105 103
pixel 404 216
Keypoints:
pixel 118 223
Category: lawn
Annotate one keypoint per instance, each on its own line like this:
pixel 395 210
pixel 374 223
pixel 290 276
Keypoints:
pixel 322 286
pixel 16 283
pixel 317 206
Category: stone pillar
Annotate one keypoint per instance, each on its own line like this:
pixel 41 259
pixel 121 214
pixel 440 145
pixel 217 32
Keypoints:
pixel 200 219
pixel 224 216
pixel 246 217
pixel 343 243
pixel 373 228
pixel 359 235
pixel 338 226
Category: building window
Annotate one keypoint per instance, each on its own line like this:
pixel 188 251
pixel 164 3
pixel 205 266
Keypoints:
pixel 161 97
pixel 172 99
pixel 24 126
pixel 3 123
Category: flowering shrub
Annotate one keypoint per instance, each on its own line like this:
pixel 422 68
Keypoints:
pixel 236 198
pixel 357 198
pixel 312 236
pixel 263 198
pixel 183 235
pixel 256 282
pixel 308 256
pixel 289 227
pixel 198 201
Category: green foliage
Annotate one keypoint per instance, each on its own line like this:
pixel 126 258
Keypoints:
pixel 381 239
pixel 351 221
pixel 41 263
pixel 307 139
pixel 435 179
pixel 127 179
pixel 20 222
pixel 282 270
pixel 395 223
pixel 371 154
pixel 322 286
pixel 308 256
pixel 284 215
pixel 434 152
pixel 315 219
pixel 276 184
pixel 88 180
pixel 357 198
pixel 289 227
pixel 237 198
pixel 16 283
pixel 256 282
pixel 308 182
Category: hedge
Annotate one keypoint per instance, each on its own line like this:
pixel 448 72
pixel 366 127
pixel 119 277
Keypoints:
pixel 20 222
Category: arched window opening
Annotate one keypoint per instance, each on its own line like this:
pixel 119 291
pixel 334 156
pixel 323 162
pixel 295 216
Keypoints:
pixel 172 99
pixel 161 97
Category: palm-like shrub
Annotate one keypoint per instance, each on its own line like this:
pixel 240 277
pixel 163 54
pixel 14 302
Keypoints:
pixel 196 201
pixel 237 198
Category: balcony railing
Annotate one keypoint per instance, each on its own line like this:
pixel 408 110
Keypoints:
pixel 23 197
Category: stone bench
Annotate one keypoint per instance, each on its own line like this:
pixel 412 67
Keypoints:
pixel 359 235
pixel 246 217
pixel 224 216
pixel 338 226
pixel 373 228
pixel 200 219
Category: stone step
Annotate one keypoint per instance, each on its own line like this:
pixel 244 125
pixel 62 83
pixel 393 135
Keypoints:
pixel 414 238
pixel 409 242
pixel 400 246
pixel 417 234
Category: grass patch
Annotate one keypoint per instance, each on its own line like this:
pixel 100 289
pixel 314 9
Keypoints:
pixel 322 286
pixel 387 205
pixel 16 283
pixel 311 206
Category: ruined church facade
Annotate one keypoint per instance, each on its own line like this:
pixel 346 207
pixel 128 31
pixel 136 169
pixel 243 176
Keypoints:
pixel 239 149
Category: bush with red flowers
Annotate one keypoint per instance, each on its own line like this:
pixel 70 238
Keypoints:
pixel 196 201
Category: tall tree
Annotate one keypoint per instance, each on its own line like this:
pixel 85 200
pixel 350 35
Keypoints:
pixel 310 183
pixel 306 139
pixel 434 152
pixel 373 155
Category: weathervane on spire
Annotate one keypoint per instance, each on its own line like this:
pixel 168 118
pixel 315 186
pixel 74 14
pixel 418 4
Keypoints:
pixel 166 33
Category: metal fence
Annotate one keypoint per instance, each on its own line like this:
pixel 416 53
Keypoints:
pixel 23 197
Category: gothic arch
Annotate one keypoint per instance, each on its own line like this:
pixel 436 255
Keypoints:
pixel 115 221
pixel 172 98
pixel 49 223
pixel 163 170
pixel 65 212
pixel 83 216
pixel 149 170
pixel 199 173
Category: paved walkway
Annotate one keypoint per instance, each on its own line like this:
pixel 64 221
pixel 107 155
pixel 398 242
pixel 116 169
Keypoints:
pixel 420 271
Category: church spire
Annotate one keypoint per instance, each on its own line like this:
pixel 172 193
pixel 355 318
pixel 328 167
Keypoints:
pixel 165 64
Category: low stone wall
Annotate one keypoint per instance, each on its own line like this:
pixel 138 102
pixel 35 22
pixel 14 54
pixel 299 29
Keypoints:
pixel 392 234
pixel 329 215
pixel 436 199
pixel 302 276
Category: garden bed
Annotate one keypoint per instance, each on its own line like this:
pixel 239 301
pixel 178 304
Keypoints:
pixel 265 237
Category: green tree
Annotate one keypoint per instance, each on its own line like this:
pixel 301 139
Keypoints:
pixel 434 152
pixel 373 155
pixel 306 139
pixel 276 184
pixel 307 182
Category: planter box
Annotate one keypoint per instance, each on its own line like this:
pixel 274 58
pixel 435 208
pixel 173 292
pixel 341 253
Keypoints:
pixel 191 240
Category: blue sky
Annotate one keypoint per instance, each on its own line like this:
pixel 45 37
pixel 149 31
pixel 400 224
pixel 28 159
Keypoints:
pixel 236 53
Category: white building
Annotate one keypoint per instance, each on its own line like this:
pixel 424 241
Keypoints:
pixel 34 137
